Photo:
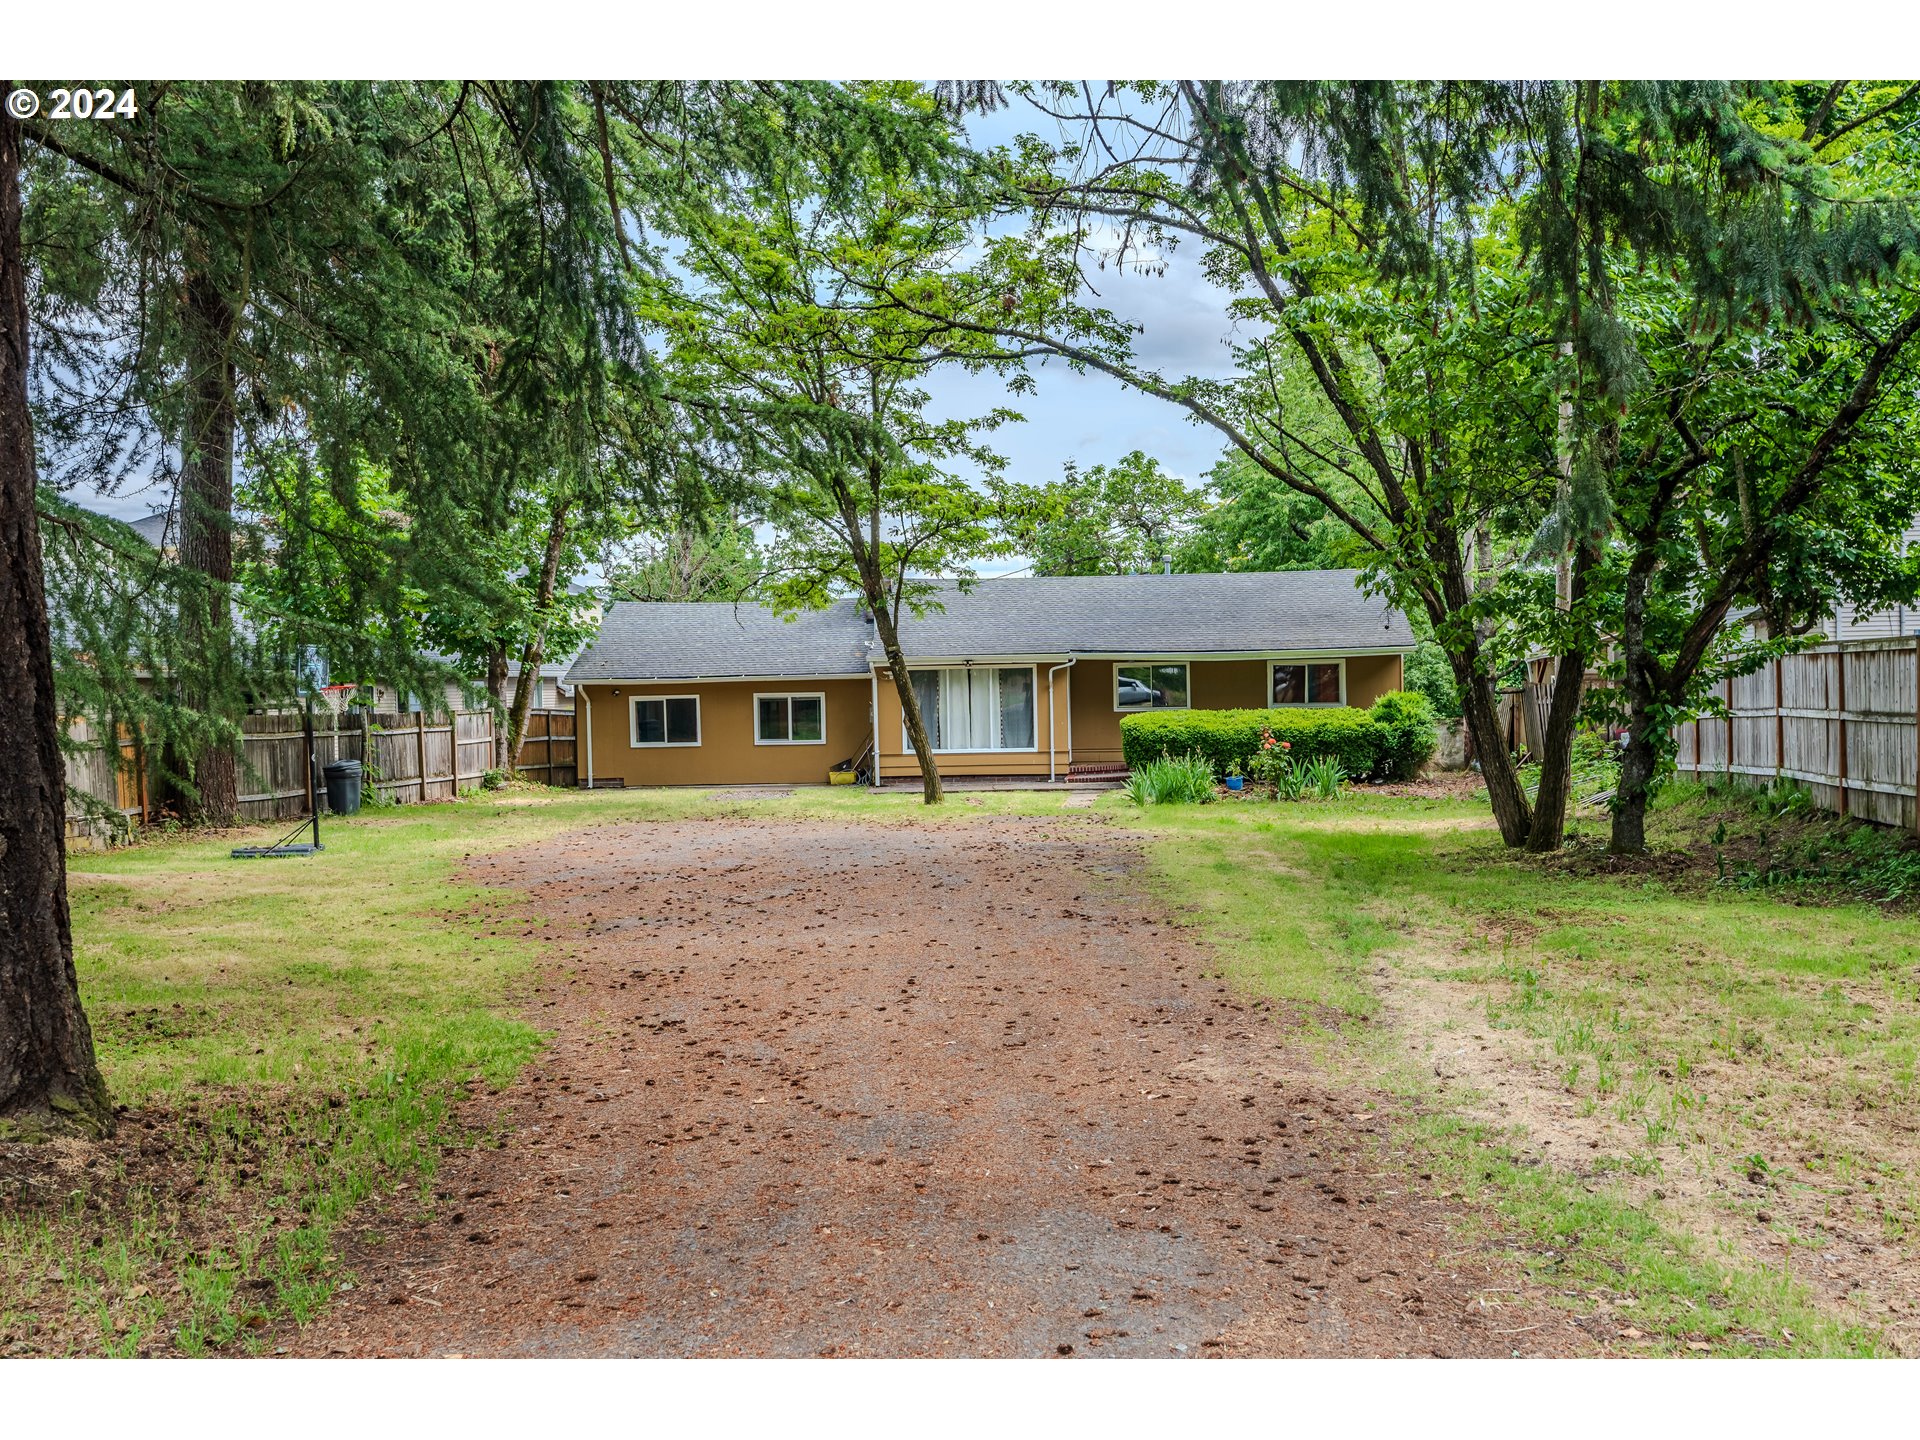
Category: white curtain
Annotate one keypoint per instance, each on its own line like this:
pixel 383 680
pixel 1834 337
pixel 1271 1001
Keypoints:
pixel 976 709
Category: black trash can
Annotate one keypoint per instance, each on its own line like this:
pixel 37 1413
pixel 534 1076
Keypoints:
pixel 343 786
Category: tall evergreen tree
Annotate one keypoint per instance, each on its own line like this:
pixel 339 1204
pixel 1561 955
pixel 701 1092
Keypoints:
pixel 47 1066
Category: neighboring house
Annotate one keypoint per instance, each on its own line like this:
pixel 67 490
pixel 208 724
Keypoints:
pixel 1016 677
pixel 552 692
pixel 1881 624
pixel 160 530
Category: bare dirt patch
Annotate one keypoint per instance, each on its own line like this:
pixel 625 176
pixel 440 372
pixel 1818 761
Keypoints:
pixel 863 1089
pixel 1433 785
pixel 1827 1231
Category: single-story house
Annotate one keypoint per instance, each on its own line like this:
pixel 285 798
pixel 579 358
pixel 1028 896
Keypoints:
pixel 1014 677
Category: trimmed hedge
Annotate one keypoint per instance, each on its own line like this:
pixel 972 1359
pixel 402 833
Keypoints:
pixel 1392 740
pixel 1406 717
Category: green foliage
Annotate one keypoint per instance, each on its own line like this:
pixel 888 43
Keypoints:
pixel 721 561
pixel 1430 672
pixel 1257 522
pixel 1322 778
pixel 1406 720
pixel 1776 839
pixel 1130 518
pixel 1171 780
pixel 121 663
pixel 1272 766
pixel 1225 737
pixel 867 488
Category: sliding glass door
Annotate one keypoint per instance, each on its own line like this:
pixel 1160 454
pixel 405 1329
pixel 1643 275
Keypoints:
pixel 976 707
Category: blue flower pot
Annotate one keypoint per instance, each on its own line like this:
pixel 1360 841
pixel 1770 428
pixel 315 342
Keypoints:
pixel 1234 782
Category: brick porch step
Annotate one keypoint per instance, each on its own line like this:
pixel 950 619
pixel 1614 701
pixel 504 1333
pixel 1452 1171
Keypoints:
pixel 1095 774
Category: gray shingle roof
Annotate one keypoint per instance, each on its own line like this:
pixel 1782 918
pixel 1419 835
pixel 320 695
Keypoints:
pixel 644 640
pixel 1159 614
pixel 1301 610
pixel 157 529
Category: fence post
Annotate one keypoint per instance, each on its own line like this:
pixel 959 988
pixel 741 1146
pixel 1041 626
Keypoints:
pixel 1779 724
pixel 420 746
pixel 1916 733
pixel 1726 761
pixel 1840 710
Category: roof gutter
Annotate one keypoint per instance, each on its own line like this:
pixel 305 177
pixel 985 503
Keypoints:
pixel 1053 708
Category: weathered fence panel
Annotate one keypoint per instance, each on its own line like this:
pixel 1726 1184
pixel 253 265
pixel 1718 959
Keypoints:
pixel 547 753
pixel 1843 720
pixel 410 758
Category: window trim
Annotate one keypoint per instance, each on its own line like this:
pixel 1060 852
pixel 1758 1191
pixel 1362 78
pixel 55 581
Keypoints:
pixel 790 696
pixel 634 742
pixel 1114 690
pixel 906 741
pixel 1277 661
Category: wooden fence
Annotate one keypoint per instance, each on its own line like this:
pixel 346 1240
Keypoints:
pixel 411 758
pixel 1844 720
pixel 547 749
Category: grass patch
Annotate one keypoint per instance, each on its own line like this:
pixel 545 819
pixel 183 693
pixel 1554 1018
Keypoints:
pixel 285 1040
pixel 292 1040
pixel 1745 1065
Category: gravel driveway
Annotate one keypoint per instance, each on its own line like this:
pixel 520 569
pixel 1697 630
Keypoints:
pixel 834 1088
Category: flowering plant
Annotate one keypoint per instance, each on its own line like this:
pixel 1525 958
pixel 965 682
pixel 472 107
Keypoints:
pixel 1273 765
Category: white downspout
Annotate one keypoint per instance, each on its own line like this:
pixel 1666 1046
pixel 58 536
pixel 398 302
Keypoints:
pixel 587 695
pixel 873 711
pixel 1053 708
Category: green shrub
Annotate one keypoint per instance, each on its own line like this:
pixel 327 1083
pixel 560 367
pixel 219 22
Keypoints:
pixel 1406 719
pixel 1171 780
pixel 1224 737
pixel 1323 777
pixel 1430 673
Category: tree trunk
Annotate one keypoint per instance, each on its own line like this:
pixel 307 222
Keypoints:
pixel 864 542
pixel 1556 763
pixel 206 546
pixel 1569 680
pixel 534 651
pixel 930 789
pixel 1481 711
pixel 1637 765
pixel 48 1074
pixel 1641 757
pixel 497 694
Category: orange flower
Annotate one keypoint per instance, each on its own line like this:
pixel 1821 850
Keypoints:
pixel 1286 744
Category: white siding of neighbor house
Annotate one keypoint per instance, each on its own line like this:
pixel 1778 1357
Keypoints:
pixel 1883 624
pixel 548 696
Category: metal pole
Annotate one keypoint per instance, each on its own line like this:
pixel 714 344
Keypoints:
pixel 313 798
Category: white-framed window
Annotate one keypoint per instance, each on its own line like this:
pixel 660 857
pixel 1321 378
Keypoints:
pixel 1307 682
pixel 975 708
pixel 661 720
pixel 1151 687
pixel 790 719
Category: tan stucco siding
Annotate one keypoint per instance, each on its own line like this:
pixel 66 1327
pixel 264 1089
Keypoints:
pixel 897 763
pixel 1215 685
pixel 1371 676
pixel 726 754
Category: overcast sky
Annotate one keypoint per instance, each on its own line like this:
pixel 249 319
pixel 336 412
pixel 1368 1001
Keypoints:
pixel 1089 419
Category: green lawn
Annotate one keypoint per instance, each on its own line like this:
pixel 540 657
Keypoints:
pixel 1700 1060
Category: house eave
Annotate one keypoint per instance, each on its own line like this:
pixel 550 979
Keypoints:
pixel 761 677
pixel 1057 656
